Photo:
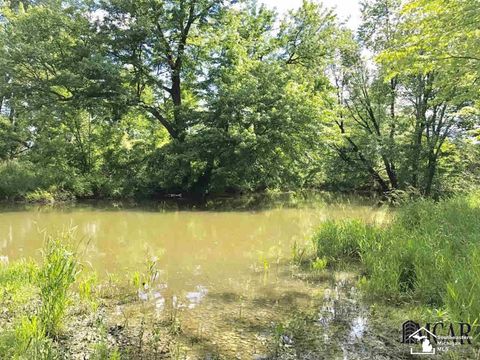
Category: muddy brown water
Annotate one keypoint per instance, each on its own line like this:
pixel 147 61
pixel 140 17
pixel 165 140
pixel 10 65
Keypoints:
pixel 227 273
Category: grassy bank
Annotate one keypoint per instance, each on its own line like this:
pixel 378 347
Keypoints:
pixel 56 308
pixel 35 299
pixel 428 255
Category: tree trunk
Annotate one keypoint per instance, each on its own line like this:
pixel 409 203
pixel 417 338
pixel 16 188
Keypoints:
pixel 421 101
pixel 391 172
pixel 417 149
pixel 373 173
pixel 430 174
pixel 176 94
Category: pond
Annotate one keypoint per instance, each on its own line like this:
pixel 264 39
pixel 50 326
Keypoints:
pixel 225 266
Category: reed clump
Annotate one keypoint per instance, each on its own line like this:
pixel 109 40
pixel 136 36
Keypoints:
pixel 429 253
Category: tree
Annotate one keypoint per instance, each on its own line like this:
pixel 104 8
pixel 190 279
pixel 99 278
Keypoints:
pixel 438 35
pixel 59 89
pixel 261 113
pixel 395 125
pixel 368 117
pixel 123 97
pixel 157 45
pixel 436 43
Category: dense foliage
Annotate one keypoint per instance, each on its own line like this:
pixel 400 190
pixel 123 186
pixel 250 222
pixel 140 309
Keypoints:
pixel 425 241
pixel 118 98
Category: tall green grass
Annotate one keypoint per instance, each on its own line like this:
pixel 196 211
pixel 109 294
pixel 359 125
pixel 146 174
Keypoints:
pixel 429 253
pixel 37 297
pixel 57 274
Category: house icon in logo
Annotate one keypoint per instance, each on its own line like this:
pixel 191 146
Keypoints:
pixel 414 334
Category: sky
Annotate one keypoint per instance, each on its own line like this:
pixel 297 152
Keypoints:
pixel 348 10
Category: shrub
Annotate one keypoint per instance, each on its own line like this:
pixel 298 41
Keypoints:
pixel 40 196
pixel 16 179
pixel 24 181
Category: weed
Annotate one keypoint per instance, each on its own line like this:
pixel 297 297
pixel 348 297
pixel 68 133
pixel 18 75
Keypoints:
pixel 341 240
pixel 31 341
pixel 58 272
pixel 101 351
pixel 86 290
pixel 299 254
pixel 429 252
pixel 319 264
pixel 176 352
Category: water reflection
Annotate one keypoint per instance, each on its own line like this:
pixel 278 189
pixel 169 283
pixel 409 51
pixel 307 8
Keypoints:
pixel 195 297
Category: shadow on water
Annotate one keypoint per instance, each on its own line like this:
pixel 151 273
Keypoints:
pixel 250 202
